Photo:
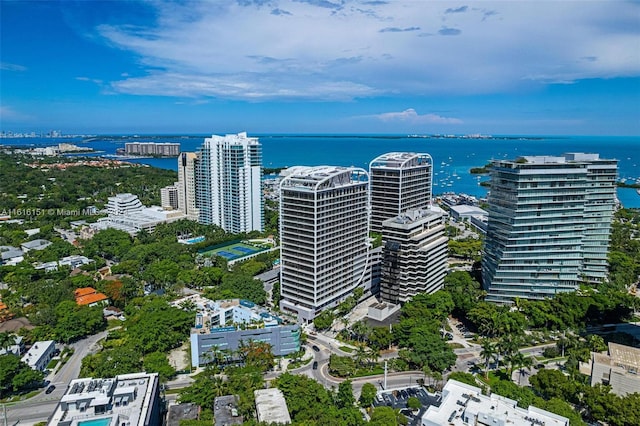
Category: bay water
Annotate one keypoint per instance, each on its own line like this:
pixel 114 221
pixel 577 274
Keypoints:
pixel 453 156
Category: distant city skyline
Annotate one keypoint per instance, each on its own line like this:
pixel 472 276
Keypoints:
pixel 321 66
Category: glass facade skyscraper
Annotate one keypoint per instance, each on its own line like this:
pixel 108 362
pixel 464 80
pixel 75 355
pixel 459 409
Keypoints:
pixel 549 225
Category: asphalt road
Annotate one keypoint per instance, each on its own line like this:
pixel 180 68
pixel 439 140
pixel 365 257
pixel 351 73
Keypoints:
pixel 40 407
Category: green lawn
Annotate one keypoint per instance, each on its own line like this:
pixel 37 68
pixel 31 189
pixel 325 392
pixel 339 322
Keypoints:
pixel 494 377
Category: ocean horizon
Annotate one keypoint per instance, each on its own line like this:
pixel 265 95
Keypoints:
pixel 453 156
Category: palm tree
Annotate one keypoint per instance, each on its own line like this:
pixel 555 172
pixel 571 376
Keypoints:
pixel 489 352
pixel 507 346
pixel 438 378
pixel 361 330
pixel 372 355
pixel 527 363
pixel 361 355
pixel 218 386
pixel 427 372
pixel 514 360
pixel 345 322
pixel 7 340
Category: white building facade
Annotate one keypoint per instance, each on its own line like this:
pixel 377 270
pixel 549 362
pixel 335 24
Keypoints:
pixel 127 399
pixel 123 204
pixel 323 235
pixel 463 404
pixel 40 354
pixel 228 183
pixel 399 181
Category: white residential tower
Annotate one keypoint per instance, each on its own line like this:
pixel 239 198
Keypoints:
pixel 324 236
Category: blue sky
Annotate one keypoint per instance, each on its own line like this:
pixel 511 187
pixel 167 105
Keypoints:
pixel 321 66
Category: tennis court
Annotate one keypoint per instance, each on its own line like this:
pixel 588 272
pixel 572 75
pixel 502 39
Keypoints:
pixel 233 251
pixel 245 250
pixel 226 254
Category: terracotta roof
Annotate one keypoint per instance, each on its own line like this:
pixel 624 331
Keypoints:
pixel 90 298
pixel 84 291
pixel 3 306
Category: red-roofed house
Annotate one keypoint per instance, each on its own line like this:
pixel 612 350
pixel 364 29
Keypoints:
pixel 90 297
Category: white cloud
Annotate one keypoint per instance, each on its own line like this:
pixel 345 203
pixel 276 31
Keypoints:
pixel 6 66
pixel 330 50
pixel 93 80
pixel 411 116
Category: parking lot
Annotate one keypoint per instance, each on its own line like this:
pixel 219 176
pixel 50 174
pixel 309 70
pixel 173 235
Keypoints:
pixel 397 399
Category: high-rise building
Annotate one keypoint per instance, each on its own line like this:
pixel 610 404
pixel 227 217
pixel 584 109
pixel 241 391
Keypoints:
pixel 399 181
pixel 228 183
pixel 323 236
pixel 187 184
pixel 414 257
pixel 599 208
pixel 169 197
pixel 152 148
pixel 549 225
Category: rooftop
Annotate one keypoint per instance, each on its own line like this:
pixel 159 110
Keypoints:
pixel 8 252
pixel 184 411
pixel 625 355
pixel 413 216
pixel 127 398
pixel 322 177
pixel 466 209
pixel 396 160
pixel 239 138
pixel 463 404
pixel 225 410
pixel 38 244
pixel 271 406
pixel 38 349
pixel 573 159
pixel 134 221
pixel 88 295
pixel 227 315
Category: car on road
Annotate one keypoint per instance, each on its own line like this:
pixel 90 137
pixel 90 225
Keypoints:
pixel 315 365
pixel 50 389
pixel 315 348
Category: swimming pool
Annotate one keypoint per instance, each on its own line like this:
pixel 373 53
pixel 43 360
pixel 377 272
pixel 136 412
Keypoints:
pixel 96 422
pixel 194 240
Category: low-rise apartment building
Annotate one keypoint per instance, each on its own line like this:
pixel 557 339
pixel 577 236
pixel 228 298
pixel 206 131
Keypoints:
pixel 464 404
pixel 619 368
pixel 39 355
pixel 224 324
pixel 127 399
